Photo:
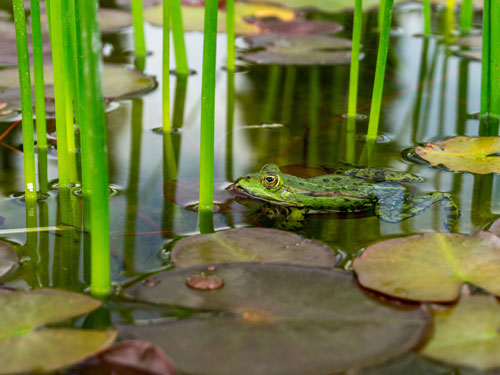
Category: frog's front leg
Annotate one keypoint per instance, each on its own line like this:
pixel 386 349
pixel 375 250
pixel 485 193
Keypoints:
pixel 397 206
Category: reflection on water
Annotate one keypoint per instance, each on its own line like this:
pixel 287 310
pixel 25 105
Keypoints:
pixel 429 93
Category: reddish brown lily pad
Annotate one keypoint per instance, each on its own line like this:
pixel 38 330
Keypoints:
pixel 277 319
pixel 479 155
pixel 431 266
pixel 251 245
pixel 8 258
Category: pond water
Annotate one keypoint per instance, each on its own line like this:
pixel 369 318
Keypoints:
pixel 282 115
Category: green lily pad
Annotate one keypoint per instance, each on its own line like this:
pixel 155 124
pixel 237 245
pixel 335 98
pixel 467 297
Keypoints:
pixel 8 258
pixel 468 154
pixel 467 334
pixel 26 347
pixel 431 266
pixel 193 16
pixel 331 6
pixel 251 245
pixel 312 49
pixel 278 319
pixel 118 81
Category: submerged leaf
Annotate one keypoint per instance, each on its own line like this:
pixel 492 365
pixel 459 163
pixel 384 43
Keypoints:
pixel 251 245
pixel 467 334
pixel 8 258
pixel 431 266
pixel 298 49
pixel 279 319
pixel 193 16
pixel 24 347
pixel 479 155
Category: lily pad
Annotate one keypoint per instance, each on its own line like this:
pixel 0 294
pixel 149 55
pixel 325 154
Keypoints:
pixel 118 81
pixel 251 245
pixel 297 26
pixel 26 347
pixel 278 319
pixel 431 266
pixel 467 334
pixel 331 6
pixel 298 50
pixel 193 17
pixel 8 258
pixel 471 55
pixel 471 41
pixel 479 155
pixel 495 228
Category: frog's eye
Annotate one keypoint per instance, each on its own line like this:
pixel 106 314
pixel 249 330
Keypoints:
pixel 270 180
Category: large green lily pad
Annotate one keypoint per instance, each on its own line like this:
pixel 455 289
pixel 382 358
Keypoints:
pixel 26 347
pixel 193 16
pixel 312 49
pixel 251 245
pixel 277 319
pixel 467 334
pixel 431 266
pixel 8 258
pixel 469 154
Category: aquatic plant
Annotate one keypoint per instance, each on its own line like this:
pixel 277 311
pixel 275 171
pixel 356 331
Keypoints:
pixel 354 75
pixel 165 73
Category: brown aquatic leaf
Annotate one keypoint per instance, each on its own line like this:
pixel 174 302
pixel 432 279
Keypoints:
pixel 479 155
pixel 8 258
pixel 297 26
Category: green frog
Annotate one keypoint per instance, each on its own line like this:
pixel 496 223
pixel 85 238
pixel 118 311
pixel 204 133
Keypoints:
pixel 346 190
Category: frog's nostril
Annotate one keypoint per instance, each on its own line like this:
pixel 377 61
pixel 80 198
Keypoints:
pixel 248 177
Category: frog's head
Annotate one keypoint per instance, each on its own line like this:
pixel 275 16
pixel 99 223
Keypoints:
pixel 268 185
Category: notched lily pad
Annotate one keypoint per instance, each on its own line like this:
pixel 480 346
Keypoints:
pixel 8 258
pixel 251 245
pixel 431 266
pixel 467 334
pixel 279 319
pixel 193 16
pixel 298 50
pixel 26 347
pixel 479 155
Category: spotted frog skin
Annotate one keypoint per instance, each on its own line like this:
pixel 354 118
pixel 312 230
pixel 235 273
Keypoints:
pixel 346 190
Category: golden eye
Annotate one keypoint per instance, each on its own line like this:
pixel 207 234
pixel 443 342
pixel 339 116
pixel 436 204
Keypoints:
pixel 270 180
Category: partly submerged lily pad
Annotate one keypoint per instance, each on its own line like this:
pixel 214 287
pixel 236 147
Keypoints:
pixel 279 319
pixel 26 347
pixel 431 266
pixel 8 258
pixel 467 334
pixel 298 49
pixel 251 245
pixel 479 155
pixel 118 81
pixel 193 16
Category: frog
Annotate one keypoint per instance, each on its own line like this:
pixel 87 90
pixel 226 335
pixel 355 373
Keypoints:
pixel 382 191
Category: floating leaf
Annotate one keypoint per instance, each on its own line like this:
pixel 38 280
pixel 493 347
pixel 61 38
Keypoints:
pixel 298 50
pixel 8 258
pixel 328 5
pixel 113 19
pixel 467 334
pixel 24 347
pixel 129 358
pixel 193 16
pixel 495 228
pixel 431 266
pixel 471 41
pixel 479 155
pixel 297 26
pixel 118 81
pixel 471 55
pixel 279 319
pixel 251 245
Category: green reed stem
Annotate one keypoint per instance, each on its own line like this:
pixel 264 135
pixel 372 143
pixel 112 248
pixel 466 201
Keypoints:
pixel 181 64
pixel 167 126
pixel 138 22
pixel 427 17
pixel 94 127
pixel 56 32
pixel 490 88
pixel 26 100
pixel 208 108
pixel 41 123
pixel 288 91
pixel 272 88
pixel 450 17
pixel 356 41
pixel 378 87
pixel 231 52
pixel 466 16
pixel 230 104
pixel 381 8
pixel 179 100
